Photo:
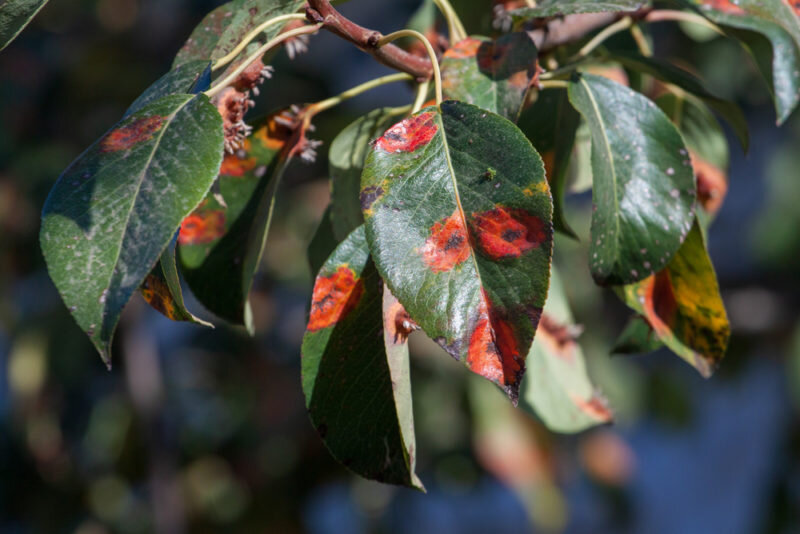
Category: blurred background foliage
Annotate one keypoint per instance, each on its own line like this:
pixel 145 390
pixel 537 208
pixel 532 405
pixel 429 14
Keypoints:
pixel 200 431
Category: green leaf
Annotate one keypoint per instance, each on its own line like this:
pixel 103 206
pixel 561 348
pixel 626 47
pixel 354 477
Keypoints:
pixel 14 16
pixel 672 74
pixel 683 306
pixel 355 371
pixel 643 184
pixel 346 160
pixel 458 217
pixel 220 246
pixel 551 125
pixel 637 337
pixel 552 8
pixel 225 27
pixel 161 289
pixel 556 386
pixel 491 74
pixel 117 206
pixel 192 77
pixel 773 47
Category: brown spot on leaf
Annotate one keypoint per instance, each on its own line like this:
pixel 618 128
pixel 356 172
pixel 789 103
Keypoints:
pixel 398 323
pixel 464 49
pixel 334 297
pixel 507 233
pixel 369 195
pixel 409 134
pixel 595 407
pixel 238 163
pixel 712 184
pixel 131 134
pixel 202 227
pixel 158 296
pixel 660 304
pixel 558 338
pixel 447 245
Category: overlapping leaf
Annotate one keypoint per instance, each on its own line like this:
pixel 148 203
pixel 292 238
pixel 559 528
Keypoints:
pixel 355 368
pixel 643 184
pixel 552 8
pixel 491 74
pixel 683 306
pixel 772 35
pixel 556 386
pixel 14 16
pixel 458 218
pixel 220 246
pixel 346 161
pixel 117 206
pixel 191 77
pixel 638 337
pixel 551 124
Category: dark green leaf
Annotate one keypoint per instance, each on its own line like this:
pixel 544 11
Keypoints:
pixel 322 243
pixel 556 386
pixel 458 217
pixel 220 246
pixel 637 337
pixel 643 184
pixel 670 73
pixel 114 210
pixel 491 74
pixel 551 8
pixel 14 16
pixel 192 77
pixel 551 124
pixel 355 371
pixel 346 160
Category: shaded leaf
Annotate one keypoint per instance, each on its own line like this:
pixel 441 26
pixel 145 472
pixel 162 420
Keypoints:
pixel 458 218
pixel 643 186
pixel 14 16
pixel 192 77
pixel 116 207
pixel 491 74
pixel 220 246
pixel 637 337
pixel 346 160
pixel 322 244
pixel 683 305
pixel 551 8
pixel 355 373
pixel 551 124
pixel 557 387
pixel 772 46
pixel 670 73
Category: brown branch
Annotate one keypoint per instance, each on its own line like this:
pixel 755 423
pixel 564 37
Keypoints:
pixel 367 40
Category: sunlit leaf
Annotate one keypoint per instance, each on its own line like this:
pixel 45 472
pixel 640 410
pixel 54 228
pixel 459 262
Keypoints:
pixel 491 74
pixel 643 185
pixel 355 370
pixel 458 217
pixel 551 8
pixel 556 386
pixel 683 306
pixel 14 16
pixel 220 246
pixel 346 160
pixel 117 206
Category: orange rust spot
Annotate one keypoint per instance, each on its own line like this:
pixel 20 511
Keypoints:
pixel 158 296
pixel 334 297
pixel 202 227
pixel 492 55
pixel 132 134
pixel 398 323
pixel 234 165
pixel 448 244
pixel 464 49
pixel 595 407
pixel 275 133
pixel 726 6
pixel 795 5
pixel 409 134
pixel 557 337
pixel 493 348
pixel 712 183
pixel 660 305
pixel 507 233
pixel 519 80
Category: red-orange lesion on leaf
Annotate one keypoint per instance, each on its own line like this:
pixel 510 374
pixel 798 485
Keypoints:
pixel 131 134
pixel 725 6
pixel 409 134
pixel 712 183
pixel 507 233
pixel 277 130
pixel 238 163
pixel 157 294
pixel 202 227
pixel 464 49
pixel 795 5
pixel 447 245
pixel 559 338
pixel 492 55
pixel 660 304
pixel 398 323
pixel 595 407
pixel 334 296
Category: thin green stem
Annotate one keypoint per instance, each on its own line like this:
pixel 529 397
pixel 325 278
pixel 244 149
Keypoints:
pixel 422 94
pixel 224 60
pixel 621 25
pixel 357 90
pixel 553 84
pixel 662 15
pixel 454 26
pixel 222 84
pixel 641 41
pixel 437 75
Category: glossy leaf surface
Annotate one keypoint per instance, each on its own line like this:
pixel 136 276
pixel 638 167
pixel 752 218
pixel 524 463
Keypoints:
pixel 458 217
pixel 14 16
pixel 220 246
pixel 491 74
pixel 117 206
pixel 357 388
pixel 192 77
pixel 683 306
pixel 643 184
pixel 346 161
pixel 551 8
pixel 556 386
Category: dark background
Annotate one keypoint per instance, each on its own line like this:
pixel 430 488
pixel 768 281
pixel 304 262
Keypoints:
pixel 203 431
